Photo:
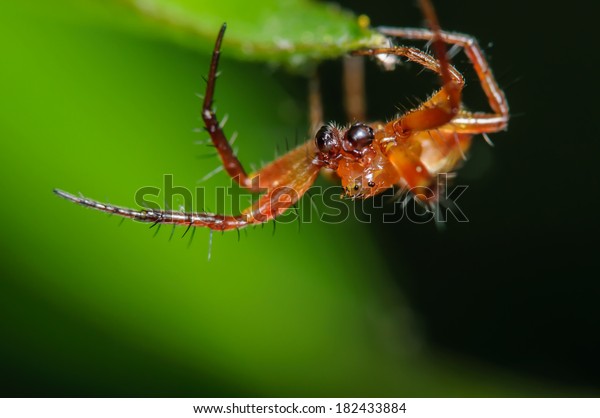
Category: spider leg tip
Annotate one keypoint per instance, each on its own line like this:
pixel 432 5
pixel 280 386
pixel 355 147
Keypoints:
pixel 64 195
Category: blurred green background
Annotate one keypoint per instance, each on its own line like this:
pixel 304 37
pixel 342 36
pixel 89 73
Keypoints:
pixel 95 100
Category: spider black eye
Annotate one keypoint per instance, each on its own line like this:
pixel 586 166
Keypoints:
pixel 326 140
pixel 360 135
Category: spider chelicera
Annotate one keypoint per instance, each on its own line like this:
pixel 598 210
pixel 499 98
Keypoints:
pixel 408 151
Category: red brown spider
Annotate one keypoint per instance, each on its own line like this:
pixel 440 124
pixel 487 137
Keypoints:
pixel 409 151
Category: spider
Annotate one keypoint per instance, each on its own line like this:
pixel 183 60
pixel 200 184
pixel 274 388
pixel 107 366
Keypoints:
pixel 408 151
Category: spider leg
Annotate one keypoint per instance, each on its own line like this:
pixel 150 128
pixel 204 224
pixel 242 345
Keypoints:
pixel 230 162
pixel 466 122
pixel 290 177
pixel 315 104
pixel 442 107
pixel 354 88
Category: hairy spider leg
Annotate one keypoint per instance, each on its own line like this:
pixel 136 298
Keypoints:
pixel 230 162
pixel 291 176
pixel 440 108
pixel 232 165
pixel 284 180
pixel 467 122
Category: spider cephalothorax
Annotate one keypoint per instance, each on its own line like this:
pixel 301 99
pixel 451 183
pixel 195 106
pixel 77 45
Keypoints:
pixel 357 157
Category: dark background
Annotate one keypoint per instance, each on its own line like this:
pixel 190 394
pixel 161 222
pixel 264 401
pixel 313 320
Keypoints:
pixel 518 285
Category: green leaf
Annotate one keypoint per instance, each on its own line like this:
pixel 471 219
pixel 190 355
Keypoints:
pixel 294 33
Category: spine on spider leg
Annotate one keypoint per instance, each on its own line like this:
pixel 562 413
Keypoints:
pixel 103 207
pixel 465 121
pixel 207 220
pixel 265 209
pixel 232 165
pixel 452 88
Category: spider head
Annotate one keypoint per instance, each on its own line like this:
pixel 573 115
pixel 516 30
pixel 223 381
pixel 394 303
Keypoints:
pixel 334 143
pixel 355 155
